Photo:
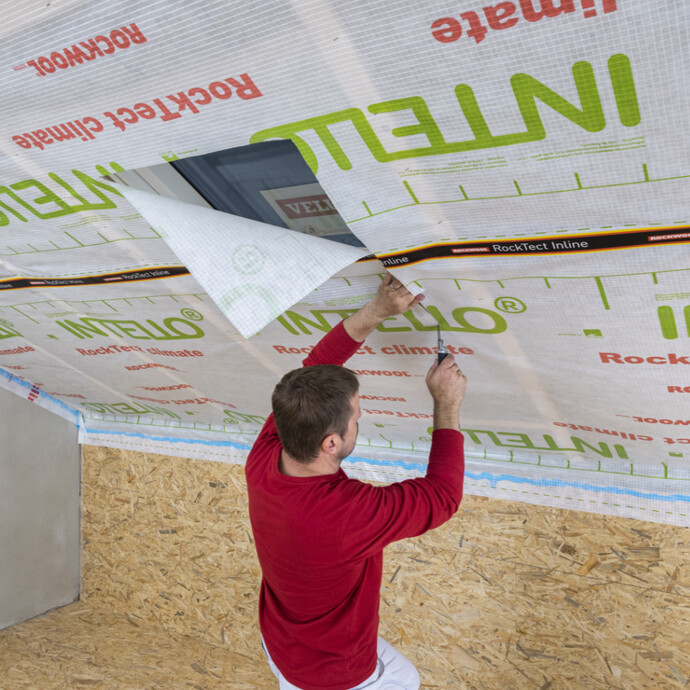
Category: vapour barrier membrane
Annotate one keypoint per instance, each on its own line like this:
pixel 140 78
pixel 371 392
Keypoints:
pixel 523 164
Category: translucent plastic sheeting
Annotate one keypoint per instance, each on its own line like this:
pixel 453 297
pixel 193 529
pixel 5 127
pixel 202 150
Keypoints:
pixel 240 262
pixel 523 163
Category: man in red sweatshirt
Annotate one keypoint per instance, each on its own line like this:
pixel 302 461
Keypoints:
pixel 319 535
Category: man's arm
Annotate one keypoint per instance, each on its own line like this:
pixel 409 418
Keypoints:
pixel 383 514
pixel 337 346
pixel 447 385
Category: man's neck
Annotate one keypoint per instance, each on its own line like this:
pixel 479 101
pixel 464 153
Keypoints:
pixel 322 465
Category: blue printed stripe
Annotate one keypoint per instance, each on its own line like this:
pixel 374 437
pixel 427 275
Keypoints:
pixel 171 439
pixel 493 479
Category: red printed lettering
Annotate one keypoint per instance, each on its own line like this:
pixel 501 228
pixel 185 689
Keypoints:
pixel 653 420
pixel 220 90
pixel 92 50
pixel 205 95
pixel 617 358
pixel 109 47
pixel 446 30
pixel 74 56
pixel 503 15
pixel 134 33
pixel 500 16
pixel 170 108
pixel 46 65
pixel 675 359
pixel 36 66
pixel 59 60
pixel 144 110
pixel 88 50
pixel 246 89
pixel 119 39
pixel 150 365
pixel 18 350
pixel 167 114
pixel 183 102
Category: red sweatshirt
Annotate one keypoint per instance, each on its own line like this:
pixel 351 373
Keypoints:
pixel 320 544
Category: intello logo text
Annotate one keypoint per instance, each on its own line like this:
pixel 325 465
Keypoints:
pixel 462 319
pixel 172 328
pixel 505 439
pixel 530 95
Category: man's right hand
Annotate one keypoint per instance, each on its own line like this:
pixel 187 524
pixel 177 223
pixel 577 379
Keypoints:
pixel 447 385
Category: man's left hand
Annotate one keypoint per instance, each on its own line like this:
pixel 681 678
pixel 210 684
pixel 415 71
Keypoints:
pixel 393 298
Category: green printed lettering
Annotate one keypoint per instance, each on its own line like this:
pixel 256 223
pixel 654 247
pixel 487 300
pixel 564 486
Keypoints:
pixel 475 119
pixel 48 197
pixel 474 436
pixel 95 186
pixel 127 409
pixel 304 323
pixel 95 407
pixel 174 333
pixel 341 313
pixel 320 126
pixel 518 440
pixel 620 451
pixel 81 330
pixel 133 329
pixel 7 332
pixel 142 408
pixel 426 125
pixel 499 323
pixel 19 200
pixel 394 329
pixel 239 417
pixel 249 293
pixel 526 89
pixel 4 218
pixel 418 325
pixel 130 329
pixel 667 321
pixel 290 319
pixel 85 205
pixel 286 324
pixel 579 446
pixel 623 85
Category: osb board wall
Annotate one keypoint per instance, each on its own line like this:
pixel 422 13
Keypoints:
pixel 504 596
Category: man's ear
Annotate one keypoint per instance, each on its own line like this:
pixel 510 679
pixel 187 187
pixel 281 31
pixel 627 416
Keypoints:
pixel 331 444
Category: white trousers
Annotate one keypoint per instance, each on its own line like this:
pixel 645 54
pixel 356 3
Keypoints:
pixel 393 671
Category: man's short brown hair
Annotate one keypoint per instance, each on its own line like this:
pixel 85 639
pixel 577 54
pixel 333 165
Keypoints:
pixel 311 403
